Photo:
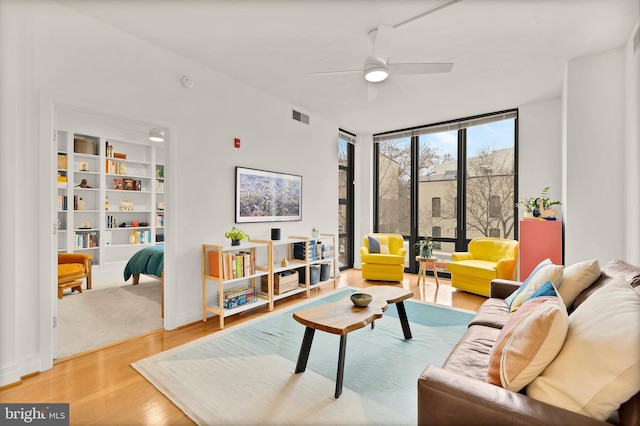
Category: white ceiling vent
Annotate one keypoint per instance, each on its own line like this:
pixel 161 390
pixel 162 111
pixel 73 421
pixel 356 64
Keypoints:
pixel 298 116
pixel 636 42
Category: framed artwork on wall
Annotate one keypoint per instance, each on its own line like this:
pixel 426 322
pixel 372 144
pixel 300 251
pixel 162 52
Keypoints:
pixel 263 196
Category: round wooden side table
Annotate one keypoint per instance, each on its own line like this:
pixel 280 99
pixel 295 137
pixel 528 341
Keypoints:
pixel 422 271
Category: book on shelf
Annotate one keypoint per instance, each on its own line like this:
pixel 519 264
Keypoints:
pixel 116 167
pixel 234 265
pixel 62 162
pixel 214 263
pixel 84 240
pixel 62 202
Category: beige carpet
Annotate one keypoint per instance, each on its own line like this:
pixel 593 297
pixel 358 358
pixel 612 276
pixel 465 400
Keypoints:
pixel 107 314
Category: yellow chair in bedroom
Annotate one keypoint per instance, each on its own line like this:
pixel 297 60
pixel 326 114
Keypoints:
pixel 72 269
pixel 486 259
pixel 383 257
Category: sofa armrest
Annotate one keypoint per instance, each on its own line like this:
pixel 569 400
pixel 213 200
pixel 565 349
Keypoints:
pixel 461 255
pixel 448 398
pixel 364 251
pixel 501 289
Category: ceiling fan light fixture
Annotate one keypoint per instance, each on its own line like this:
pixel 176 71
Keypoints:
pixel 376 74
pixel 156 135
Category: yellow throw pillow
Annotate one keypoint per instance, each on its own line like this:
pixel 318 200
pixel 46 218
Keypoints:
pixel 528 342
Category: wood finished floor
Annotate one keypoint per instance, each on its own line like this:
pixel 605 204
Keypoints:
pixel 103 389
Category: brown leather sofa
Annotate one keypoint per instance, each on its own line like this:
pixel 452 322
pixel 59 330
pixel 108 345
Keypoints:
pixel 458 393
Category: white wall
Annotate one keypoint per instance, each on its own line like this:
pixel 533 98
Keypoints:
pixel 91 64
pixel 632 150
pixel 595 158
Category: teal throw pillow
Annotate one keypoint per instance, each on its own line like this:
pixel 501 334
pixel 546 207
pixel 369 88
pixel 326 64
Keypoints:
pixel 547 290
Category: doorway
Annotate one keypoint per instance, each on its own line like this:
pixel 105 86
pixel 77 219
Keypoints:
pixel 60 115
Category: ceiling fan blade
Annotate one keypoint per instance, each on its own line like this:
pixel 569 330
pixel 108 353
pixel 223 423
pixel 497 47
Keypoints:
pixel 425 68
pixel 335 72
pixel 382 42
pixel 372 91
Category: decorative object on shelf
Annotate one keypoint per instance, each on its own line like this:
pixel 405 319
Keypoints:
pixel 424 248
pixel 538 206
pixel 275 233
pixel 83 184
pixel 85 224
pixel 80 204
pixel 84 145
pixel 543 204
pixel 83 166
pixel 528 205
pixel 160 205
pixel 315 233
pixel 236 235
pixel 126 204
pixel 263 196
pixel 361 299
pixel 106 202
pixel 284 262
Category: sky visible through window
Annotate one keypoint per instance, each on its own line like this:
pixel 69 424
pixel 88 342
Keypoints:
pixel 491 136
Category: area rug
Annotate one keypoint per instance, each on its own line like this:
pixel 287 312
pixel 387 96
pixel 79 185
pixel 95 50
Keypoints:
pixel 244 375
pixel 99 317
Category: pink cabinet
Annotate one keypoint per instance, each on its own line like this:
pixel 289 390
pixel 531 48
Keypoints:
pixel 539 239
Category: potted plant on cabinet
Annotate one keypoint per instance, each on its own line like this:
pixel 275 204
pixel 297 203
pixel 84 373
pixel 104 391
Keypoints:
pixel 543 204
pixel 236 235
pixel 528 205
pixel 424 248
pixel 538 206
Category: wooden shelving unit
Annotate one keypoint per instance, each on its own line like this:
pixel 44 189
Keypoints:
pixel 216 276
pixel 266 257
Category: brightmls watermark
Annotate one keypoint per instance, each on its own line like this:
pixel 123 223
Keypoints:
pixel 34 414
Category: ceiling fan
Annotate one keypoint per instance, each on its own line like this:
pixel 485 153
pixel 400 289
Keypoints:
pixel 377 67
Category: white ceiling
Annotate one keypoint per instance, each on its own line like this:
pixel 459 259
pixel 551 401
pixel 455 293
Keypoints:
pixel 506 53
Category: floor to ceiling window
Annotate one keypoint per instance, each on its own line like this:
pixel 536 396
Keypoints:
pixel 453 181
pixel 346 143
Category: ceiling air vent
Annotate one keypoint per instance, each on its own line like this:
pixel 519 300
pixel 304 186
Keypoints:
pixel 298 116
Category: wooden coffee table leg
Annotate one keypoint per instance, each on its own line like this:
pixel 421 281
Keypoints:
pixel 404 321
pixel 340 374
pixel 303 357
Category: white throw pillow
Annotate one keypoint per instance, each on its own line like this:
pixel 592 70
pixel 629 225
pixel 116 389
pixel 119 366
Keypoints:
pixel 539 278
pixel 576 278
pixel 598 367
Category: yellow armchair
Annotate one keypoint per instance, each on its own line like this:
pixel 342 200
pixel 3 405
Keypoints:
pixel 485 260
pixel 383 257
pixel 74 266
